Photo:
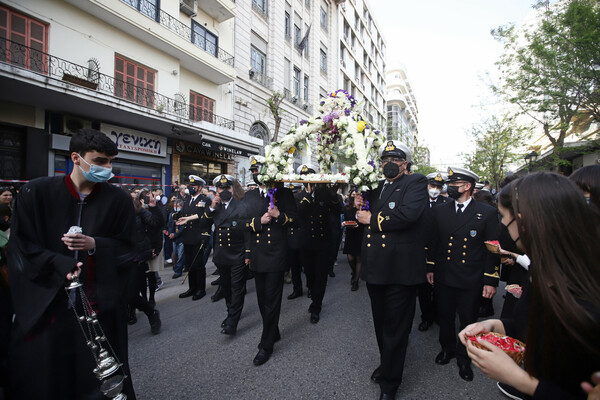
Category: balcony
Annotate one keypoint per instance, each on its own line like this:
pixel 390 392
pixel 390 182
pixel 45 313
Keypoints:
pixel 264 80
pixel 142 20
pixel 220 10
pixel 100 85
pixel 295 100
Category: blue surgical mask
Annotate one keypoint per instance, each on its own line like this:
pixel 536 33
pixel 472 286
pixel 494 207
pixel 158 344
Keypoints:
pixel 97 173
pixel 177 209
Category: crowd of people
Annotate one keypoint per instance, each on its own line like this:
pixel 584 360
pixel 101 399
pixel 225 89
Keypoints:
pixel 413 237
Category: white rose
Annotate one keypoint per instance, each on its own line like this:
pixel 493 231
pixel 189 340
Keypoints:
pixel 356 180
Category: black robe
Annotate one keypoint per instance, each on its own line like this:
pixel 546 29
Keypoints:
pixel 49 359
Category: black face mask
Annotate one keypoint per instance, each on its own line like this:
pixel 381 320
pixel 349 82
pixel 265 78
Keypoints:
pixel 192 190
pixel 4 225
pixel 391 170
pixel 453 192
pixel 255 178
pixel 225 195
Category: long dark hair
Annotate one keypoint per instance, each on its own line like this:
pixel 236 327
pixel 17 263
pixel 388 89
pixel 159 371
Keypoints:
pixel 560 234
pixel 588 179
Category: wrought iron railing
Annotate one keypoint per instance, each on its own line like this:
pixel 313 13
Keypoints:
pixel 261 78
pixel 261 10
pixel 34 60
pixel 179 28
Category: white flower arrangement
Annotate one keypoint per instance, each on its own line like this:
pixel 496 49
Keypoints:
pixel 340 134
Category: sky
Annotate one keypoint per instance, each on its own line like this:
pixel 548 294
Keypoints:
pixel 447 49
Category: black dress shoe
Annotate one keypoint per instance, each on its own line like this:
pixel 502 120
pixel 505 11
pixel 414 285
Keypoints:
pixel 354 286
pixel 216 282
pixel 217 296
pixel 229 330
pixel 176 275
pixel 309 294
pixel 423 326
pixel 262 356
pixel 314 317
pixel 377 375
pixel 387 396
pixel 187 293
pixel 294 295
pixel 444 357
pixel 465 372
pixel 224 323
pixel 155 322
pixel 131 319
pixel 199 294
pixel 332 274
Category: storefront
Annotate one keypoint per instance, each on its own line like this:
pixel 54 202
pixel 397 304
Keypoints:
pixel 142 159
pixel 206 159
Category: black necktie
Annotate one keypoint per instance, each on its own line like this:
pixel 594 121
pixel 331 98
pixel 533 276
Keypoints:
pixel 385 185
pixel 460 207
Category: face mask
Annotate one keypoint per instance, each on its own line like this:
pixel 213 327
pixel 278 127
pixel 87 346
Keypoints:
pixel 97 173
pixel 587 200
pixel 255 178
pixel 186 191
pixel 192 190
pixel 434 193
pixel 453 192
pixel 225 195
pixel 391 170
pixel 177 209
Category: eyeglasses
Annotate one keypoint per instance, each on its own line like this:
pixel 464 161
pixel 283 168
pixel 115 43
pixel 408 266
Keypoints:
pixel 392 159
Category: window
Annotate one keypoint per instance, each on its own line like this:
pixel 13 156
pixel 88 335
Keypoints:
pixel 201 107
pixel 323 18
pixel 150 8
pixel 260 6
pixel 258 60
pixel 307 41
pixel 306 89
pixel 288 26
pixel 297 35
pixel 204 39
pixel 296 83
pixel 307 3
pixel 323 61
pixel 134 82
pixel 29 41
pixel 286 74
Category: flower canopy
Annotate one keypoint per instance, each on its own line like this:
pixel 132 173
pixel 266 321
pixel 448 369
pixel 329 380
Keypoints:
pixel 340 133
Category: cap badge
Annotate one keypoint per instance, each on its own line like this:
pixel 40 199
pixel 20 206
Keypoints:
pixel 253 161
pixel 390 146
pixel 223 179
pixel 304 169
pixel 439 178
pixel 450 172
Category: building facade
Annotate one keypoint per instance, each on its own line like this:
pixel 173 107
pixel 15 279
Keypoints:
pixel 362 52
pixel 402 111
pixel 155 76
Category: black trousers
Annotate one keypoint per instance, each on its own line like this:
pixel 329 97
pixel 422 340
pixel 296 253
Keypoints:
pixel 269 289
pixel 193 256
pixel 233 283
pixel 316 264
pixel 53 361
pixel 137 286
pixel 295 262
pixel 452 301
pixel 393 308
pixel 426 302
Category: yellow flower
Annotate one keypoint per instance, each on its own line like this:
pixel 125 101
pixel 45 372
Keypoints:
pixel 333 94
pixel 292 150
pixel 361 125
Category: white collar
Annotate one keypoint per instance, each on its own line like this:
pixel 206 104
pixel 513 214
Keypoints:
pixel 465 204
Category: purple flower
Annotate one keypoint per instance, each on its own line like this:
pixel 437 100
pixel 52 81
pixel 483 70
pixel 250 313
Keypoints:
pixel 322 102
pixel 372 163
pixel 330 117
pixel 303 121
pixel 347 111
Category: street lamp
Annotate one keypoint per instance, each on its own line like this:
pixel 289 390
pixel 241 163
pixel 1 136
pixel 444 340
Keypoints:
pixel 530 159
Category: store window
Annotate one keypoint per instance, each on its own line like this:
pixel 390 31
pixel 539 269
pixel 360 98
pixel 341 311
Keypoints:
pixel 134 82
pixel 12 153
pixel 207 170
pixel 23 41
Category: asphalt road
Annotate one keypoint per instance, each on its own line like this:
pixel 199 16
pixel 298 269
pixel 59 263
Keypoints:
pixel 191 359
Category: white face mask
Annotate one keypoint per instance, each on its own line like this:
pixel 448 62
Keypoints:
pixel 434 193
pixel 186 191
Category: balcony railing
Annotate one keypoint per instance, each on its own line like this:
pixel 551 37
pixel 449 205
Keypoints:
pixel 263 79
pixel 179 28
pixel 24 57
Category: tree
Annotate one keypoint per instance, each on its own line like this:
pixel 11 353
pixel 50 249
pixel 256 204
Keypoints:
pixel 274 103
pixel 551 70
pixel 421 160
pixel 498 140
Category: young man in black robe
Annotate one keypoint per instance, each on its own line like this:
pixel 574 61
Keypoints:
pixel 49 358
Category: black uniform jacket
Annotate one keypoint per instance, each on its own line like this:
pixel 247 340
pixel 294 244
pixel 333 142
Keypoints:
pixel 231 237
pixel 197 231
pixel 296 238
pixel 428 222
pixel 316 214
pixel 39 261
pixel 269 243
pixel 393 249
pixel 461 258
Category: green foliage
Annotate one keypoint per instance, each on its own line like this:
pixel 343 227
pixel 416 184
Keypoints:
pixel 550 70
pixel 498 140
pixel 420 155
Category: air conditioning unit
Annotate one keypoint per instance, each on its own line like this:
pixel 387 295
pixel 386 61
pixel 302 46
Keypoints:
pixel 305 106
pixel 188 7
pixel 295 99
pixel 73 124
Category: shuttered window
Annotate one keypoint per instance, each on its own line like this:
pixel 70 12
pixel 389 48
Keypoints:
pixel 23 41
pixel 202 108
pixel 134 82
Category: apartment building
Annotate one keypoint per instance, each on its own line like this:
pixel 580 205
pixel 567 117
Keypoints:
pixel 402 111
pixel 155 76
pixel 362 51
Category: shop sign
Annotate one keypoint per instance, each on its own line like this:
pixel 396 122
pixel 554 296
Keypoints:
pixel 210 149
pixel 136 141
